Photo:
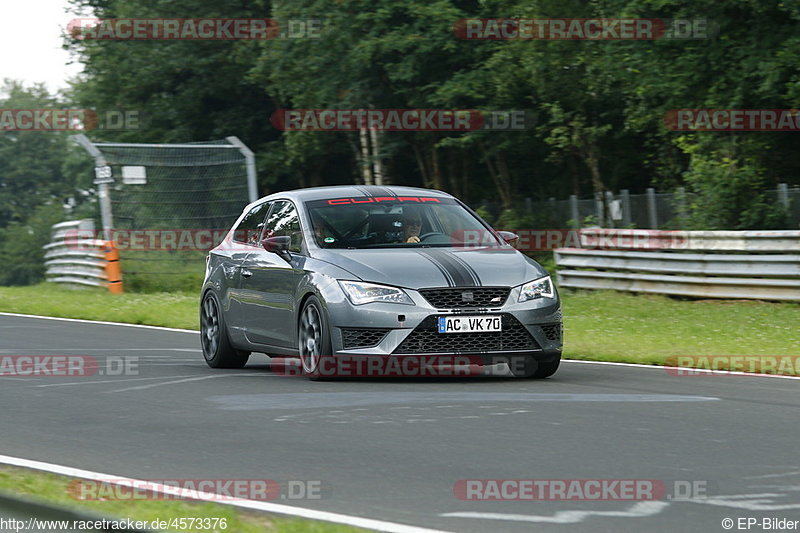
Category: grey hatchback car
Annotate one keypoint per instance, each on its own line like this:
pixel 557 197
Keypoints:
pixel 368 272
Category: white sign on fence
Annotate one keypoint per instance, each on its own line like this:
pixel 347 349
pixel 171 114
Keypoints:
pixel 103 175
pixel 134 175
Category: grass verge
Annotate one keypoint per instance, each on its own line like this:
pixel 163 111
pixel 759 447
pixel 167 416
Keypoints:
pixel 53 489
pixel 174 310
pixel 598 325
pixel 614 326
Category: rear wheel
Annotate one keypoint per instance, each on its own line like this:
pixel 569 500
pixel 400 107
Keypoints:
pixel 529 368
pixel 314 339
pixel 217 348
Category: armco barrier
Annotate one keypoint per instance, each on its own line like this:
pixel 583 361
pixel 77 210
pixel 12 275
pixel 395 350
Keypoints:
pixel 673 267
pixel 74 258
pixel 717 241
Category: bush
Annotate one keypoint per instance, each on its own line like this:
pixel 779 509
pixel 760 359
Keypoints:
pixel 727 194
pixel 21 246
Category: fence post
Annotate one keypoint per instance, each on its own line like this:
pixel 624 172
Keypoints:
pixel 682 210
pixel 626 207
pixel 103 192
pixel 599 209
pixel 610 207
pixel 651 208
pixel 250 164
pixel 573 211
pixel 783 195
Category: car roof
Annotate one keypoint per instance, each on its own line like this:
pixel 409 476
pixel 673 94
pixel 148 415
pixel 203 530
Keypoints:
pixel 354 191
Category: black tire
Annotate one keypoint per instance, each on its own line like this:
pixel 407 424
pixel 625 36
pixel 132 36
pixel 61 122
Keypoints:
pixel 529 368
pixel 217 348
pixel 313 339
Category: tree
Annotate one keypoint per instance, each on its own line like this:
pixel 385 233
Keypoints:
pixel 31 162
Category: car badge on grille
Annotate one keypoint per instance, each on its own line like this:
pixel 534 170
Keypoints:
pixel 495 300
pixel 467 296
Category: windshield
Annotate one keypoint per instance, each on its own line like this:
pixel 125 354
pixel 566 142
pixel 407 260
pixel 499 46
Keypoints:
pixel 389 222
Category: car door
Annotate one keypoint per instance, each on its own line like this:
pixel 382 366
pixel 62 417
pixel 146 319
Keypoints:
pixel 269 281
pixel 245 238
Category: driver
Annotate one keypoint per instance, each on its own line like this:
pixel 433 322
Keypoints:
pixel 321 233
pixel 412 224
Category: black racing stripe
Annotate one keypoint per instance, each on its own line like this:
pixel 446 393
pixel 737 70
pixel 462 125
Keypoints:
pixel 469 268
pixel 460 275
pixel 376 190
pixel 384 192
pixel 448 278
pixel 463 275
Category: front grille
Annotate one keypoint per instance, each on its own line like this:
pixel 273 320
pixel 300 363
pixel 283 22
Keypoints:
pixel 362 338
pixel 426 339
pixel 552 332
pixel 453 298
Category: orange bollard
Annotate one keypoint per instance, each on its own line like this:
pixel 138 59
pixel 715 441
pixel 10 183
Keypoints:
pixel 113 270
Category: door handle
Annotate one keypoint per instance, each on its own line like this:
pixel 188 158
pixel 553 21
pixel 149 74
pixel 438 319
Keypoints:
pixel 246 273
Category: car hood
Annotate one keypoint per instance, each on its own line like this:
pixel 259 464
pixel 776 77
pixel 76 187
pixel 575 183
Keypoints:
pixel 417 268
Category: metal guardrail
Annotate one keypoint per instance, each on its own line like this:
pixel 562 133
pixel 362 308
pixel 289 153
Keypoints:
pixel 73 259
pixel 761 275
pixel 727 241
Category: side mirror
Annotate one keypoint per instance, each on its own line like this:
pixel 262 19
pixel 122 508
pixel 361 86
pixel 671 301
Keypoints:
pixel 279 245
pixel 510 237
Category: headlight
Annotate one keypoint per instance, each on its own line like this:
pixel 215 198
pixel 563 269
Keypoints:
pixel 364 293
pixel 538 288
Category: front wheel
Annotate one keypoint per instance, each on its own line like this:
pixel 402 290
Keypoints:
pixel 529 368
pixel 314 339
pixel 217 348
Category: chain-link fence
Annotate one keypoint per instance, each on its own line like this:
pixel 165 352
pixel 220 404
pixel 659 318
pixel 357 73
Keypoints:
pixel 652 210
pixel 166 205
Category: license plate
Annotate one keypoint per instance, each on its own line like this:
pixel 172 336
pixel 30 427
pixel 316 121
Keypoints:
pixel 469 324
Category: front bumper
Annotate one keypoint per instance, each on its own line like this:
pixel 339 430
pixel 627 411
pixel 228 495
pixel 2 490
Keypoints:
pixel 395 329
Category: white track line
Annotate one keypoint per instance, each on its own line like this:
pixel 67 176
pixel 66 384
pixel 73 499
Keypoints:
pixel 357 521
pixel 633 365
pixel 192 350
pixel 84 321
pixel 201 378
pixel 675 369
pixel 638 510
pixel 123 380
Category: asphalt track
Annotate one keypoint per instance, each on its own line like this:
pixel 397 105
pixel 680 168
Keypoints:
pixel 394 449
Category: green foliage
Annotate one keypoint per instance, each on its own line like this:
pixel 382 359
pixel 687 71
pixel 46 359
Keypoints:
pixel 21 246
pixel 598 105
pixel 725 194
pixel 31 162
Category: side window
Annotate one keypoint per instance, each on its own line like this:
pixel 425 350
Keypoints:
pixel 284 222
pixel 249 229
